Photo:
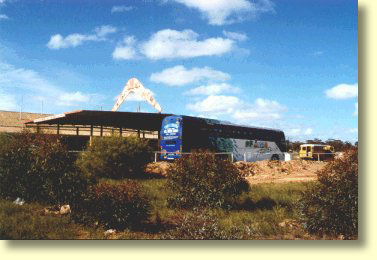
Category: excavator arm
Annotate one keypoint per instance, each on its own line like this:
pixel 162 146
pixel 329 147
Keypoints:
pixel 135 86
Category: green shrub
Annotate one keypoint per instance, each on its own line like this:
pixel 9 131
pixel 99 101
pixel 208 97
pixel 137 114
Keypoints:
pixel 5 139
pixel 201 180
pixel 15 164
pixel 331 206
pixel 116 206
pixel 204 225
pixel 38 167
pixel 115 157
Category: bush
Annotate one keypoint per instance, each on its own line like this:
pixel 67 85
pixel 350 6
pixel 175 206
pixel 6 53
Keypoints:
pixel 331 206
pixel 115 206
pixel 201 180
pixel 5 139
pixel 37 167
pixel 115 157
pixel 204 225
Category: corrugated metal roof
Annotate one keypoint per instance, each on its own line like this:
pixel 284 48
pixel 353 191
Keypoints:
pixel 128 120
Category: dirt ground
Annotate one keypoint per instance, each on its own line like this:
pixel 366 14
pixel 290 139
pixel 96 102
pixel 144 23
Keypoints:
pixel 262 171
pixel 280 172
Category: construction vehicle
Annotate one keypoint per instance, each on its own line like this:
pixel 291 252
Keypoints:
pixel 319 152
pixel 135 86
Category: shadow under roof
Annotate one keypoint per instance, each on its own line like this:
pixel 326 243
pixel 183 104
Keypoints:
pixel 128 120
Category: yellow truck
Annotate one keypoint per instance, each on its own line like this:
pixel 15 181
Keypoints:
pixel 319 152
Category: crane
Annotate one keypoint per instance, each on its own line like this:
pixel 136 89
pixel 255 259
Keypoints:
pixel 135 86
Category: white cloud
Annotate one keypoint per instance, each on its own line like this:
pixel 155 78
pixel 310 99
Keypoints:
pixel 342 91
pixel 356 113
pixel 220 12
pixel 69 99
pixel 213 89
pixel 179 75
pixel 4 17
pixel 20 78
pixel 243 112
pixel 24 82
pixel 294 131
pixel 104 30
pixel 121 9
pixel 57 41
pixel 170 44
pixel 353 130
pixel 215 104
pixel 7 102
pixel 299 132
pixel 134 97
pixel 126 50
pixel 236 36
pixel 261 109
pixel 308 131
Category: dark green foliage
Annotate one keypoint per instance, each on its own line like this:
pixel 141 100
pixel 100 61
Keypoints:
pixel 38 167
pixel 115 157
pixel 27 222
pixel 116 206
pixel 331 205
pixel 15 164
pixel 204 225
pixel 5 139
pixel 201 180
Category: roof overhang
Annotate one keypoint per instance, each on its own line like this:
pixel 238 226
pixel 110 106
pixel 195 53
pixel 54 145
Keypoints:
pixel 127 120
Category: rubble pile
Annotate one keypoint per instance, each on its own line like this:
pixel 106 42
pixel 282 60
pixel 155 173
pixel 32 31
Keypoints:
pixel 157 169
pixel 247 169
pixel 259 172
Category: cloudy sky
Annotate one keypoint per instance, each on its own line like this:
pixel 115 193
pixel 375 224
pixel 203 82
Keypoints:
pixel 286 64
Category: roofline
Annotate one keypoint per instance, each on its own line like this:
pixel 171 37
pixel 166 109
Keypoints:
pixel 65 114
pixel 46 118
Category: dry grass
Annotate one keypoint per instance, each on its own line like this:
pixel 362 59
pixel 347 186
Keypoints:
pixel 11 122
pixel 268 210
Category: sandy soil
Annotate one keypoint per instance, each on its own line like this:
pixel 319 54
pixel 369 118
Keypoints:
pixel 262 171
pixel 280 172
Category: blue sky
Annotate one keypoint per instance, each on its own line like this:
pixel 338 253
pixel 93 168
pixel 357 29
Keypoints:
pixel 286 64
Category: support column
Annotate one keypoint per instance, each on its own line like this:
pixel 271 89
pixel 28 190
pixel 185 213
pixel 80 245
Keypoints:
pixel 120 131
pixel 58 129
pixel 101 131
pixel 91 130
pixel 77 130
